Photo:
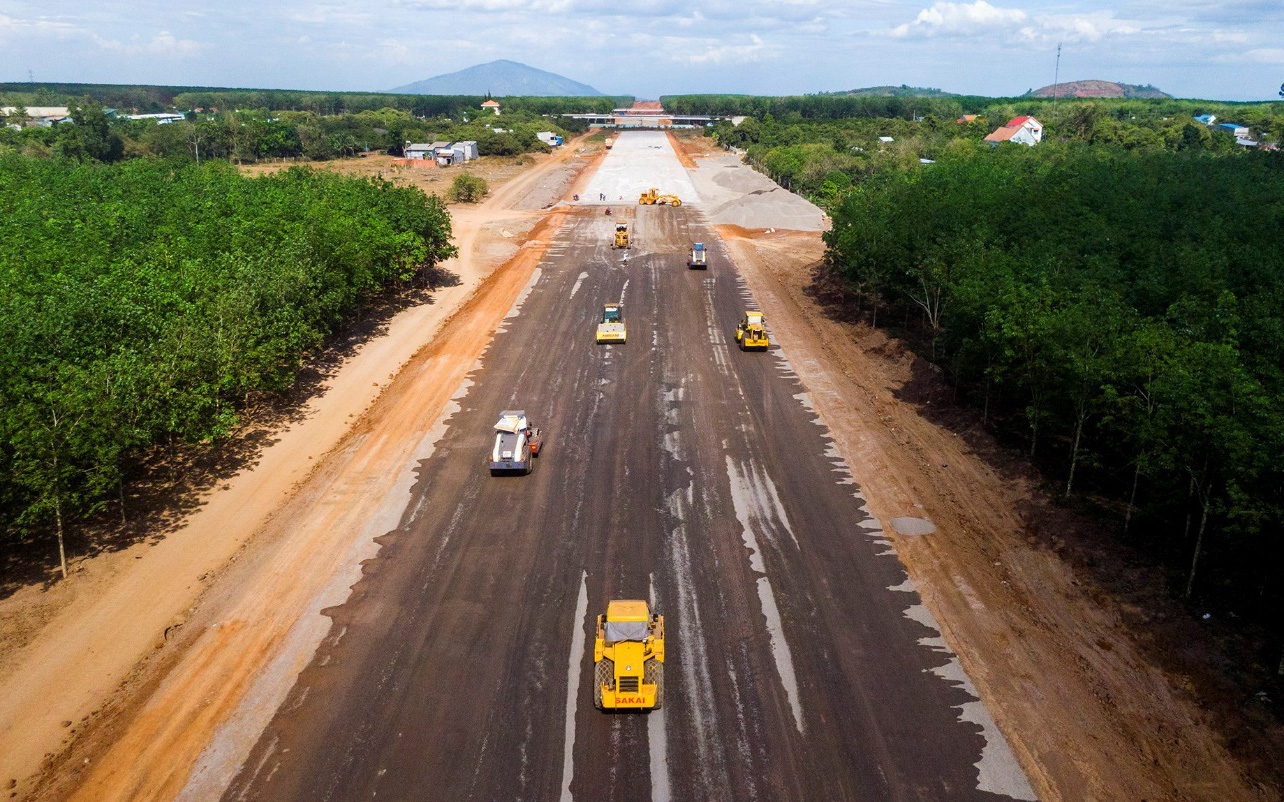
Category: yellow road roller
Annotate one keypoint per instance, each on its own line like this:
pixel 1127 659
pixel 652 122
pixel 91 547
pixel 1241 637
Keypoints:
pixel 628 658
pixel 751 332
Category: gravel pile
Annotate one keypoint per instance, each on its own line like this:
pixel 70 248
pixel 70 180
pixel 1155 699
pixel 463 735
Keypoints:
pixel 736 194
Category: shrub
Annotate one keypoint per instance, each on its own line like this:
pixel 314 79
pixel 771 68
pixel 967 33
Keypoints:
pixel 468 189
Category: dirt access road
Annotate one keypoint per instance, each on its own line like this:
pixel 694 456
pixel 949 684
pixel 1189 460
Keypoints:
pixel 79 655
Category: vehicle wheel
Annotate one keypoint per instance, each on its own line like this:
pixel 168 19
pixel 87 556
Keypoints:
pixel 653 674
pixel 603 674
pixel 495 472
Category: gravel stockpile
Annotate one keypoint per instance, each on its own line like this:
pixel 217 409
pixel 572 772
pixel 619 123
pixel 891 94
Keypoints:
pixel 736 194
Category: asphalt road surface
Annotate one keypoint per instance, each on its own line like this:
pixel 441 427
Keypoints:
pixel 801 664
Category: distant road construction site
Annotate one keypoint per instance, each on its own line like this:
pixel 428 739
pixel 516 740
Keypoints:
pixel 414 616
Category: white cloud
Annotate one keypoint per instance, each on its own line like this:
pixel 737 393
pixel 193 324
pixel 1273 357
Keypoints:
pixel 1266 55
pixel 14 27
pixel 961 19
pixel 162 44
pixel 979 20
pixel 690 51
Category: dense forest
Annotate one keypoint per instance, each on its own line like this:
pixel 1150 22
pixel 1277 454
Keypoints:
pixel 248 136
pixel 1120 313
pixel 144 302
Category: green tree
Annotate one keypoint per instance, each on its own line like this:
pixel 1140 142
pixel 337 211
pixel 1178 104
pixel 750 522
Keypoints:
pixel 89 136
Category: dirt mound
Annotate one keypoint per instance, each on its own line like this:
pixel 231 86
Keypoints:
pixel 1098 89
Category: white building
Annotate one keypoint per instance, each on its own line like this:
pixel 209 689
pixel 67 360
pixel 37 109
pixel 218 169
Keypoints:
pixel 39 116
pixel 464 151
pixel 161 119
pixel 418 150
pixel 1021 130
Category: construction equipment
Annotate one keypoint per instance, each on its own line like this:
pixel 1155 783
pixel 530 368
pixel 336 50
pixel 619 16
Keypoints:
pixel 697 260
pixel 653 197
pixel 751 332
pixel 517 444
pixel 628 658
pixel 621 235
pixel 611 329
pixel 609 142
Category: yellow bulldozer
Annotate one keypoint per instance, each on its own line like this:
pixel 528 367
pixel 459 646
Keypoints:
pixel 621 235
pixel 628 658
pixel 653 197
pixel 751 332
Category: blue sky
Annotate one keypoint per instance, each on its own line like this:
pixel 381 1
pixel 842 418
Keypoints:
pixel 1232 49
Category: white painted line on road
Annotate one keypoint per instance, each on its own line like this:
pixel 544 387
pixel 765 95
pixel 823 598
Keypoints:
pixel 578 282
pixel 657 738
pixel 572 685
pixel 749 514
pixel 624 290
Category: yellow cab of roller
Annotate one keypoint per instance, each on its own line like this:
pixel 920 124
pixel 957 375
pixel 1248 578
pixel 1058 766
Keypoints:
pixel 628 658
pixel 751 332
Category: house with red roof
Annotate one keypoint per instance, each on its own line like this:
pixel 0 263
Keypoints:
pixel 1022 130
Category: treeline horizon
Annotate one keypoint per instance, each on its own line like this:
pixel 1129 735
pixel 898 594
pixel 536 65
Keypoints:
pixel 146 99
pixel 156 98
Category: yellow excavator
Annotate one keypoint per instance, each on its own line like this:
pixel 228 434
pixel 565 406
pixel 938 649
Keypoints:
pixel 621 235
pixel 751 332
pixel 653 197
pixel 628 658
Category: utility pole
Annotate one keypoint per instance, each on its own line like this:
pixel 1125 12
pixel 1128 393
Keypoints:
pixel 1056 82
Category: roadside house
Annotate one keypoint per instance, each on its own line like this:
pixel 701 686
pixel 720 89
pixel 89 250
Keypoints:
pixel 419 150
pixel 1021 130
pixel 463 152
pixel 40 116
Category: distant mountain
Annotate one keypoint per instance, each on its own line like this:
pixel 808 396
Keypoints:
pixel 500 78
pixel 1097 89
pixel 895 91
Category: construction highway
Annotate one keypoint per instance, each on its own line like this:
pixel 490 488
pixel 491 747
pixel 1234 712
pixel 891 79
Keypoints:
pixel 677 469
